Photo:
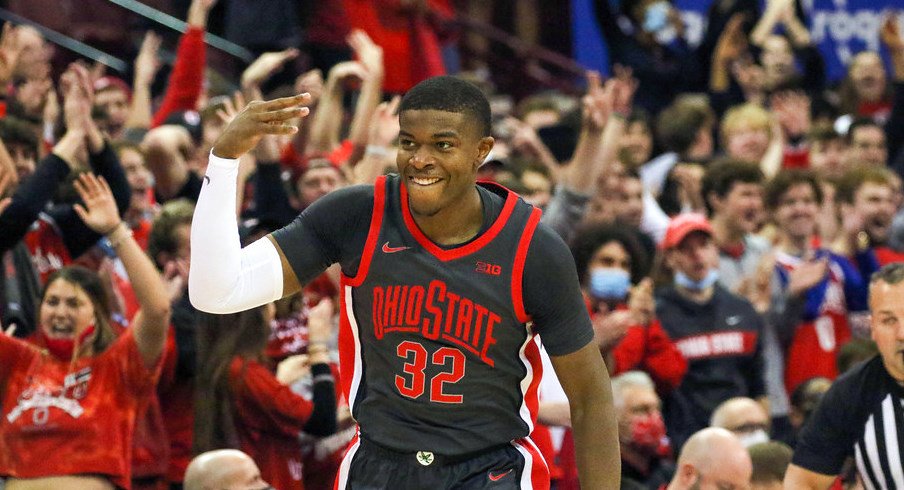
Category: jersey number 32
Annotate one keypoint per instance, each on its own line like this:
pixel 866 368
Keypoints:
pixel 414 385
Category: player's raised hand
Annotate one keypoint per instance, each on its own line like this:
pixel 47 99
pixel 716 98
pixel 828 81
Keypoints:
pixel 259 119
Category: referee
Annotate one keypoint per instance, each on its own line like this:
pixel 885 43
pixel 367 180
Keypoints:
pixel 862 414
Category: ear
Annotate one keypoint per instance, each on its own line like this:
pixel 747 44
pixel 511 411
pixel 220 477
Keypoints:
pixel 484 146
pixel 687 475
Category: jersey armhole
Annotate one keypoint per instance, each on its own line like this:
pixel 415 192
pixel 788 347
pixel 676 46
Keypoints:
pixel 376 221
pixel 518 268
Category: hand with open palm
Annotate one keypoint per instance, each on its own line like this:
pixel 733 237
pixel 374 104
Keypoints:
pixel 99 211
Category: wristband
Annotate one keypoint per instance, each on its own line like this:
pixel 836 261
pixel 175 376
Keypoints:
pixel 119 234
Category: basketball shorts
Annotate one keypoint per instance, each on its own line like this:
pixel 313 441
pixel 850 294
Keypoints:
pixel 368 466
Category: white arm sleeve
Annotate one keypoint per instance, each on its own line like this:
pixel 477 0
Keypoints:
pixel 224 277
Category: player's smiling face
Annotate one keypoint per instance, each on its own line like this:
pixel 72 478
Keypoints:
pixel 439 153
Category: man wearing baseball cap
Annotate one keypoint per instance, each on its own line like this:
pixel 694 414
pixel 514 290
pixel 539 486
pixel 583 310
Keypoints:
pixel 717 331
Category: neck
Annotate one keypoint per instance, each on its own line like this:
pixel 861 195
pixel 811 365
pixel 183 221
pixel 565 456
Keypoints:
pixel 454 224
pixel 797 246
pixel 725 232
pixel 701 296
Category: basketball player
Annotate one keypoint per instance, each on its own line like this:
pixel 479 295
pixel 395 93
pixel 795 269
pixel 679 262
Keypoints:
pixel 446 287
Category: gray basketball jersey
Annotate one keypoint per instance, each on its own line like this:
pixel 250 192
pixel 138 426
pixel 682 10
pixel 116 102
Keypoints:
pixel 437 351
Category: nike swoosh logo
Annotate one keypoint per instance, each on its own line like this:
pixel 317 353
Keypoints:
pixel 391 250
pixel 498 476
pixel 207 179
pixel 733 320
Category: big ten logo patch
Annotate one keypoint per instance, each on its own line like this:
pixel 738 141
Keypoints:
pixel 488 268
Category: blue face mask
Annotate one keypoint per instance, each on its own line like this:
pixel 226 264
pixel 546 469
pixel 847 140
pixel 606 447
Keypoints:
pixel 609 283
pixel 656 17
pixel 683 281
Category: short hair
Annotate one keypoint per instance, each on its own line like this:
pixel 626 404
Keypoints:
pixel 854 352
pixel 120 146
pixel 589 238
pixel 678 124
pixel 823 133
pixel 785 180
pixel 851 181
pixel 717 419
pixel 860 122
pixel 770 461
pixel 722 175
pixel 890 274
pixel 17 131
pixel 162 236
pixel 450 94
pixel 630 379
pixel 748 114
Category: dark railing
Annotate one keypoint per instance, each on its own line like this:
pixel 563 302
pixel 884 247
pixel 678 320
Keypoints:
pixel 67 42
pixel 171 22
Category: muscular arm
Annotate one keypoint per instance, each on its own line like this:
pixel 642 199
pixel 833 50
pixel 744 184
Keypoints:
pixel 798 478
pixel 586 382
pixel 553 299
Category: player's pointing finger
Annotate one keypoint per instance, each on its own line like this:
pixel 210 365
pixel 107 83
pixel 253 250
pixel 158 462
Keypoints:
pixel 285 102
pixel 281 114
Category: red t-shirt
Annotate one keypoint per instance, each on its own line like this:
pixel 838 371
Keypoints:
pixel 269 417
pixel 83 417
pixel 650 349
pixel 176 395
pixel 46 247
pixel 411 47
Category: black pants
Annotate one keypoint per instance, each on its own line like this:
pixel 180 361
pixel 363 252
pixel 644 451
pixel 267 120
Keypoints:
pixel 368 466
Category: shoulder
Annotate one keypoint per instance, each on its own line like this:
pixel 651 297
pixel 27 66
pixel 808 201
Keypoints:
pixel 867 382
pixel 351 197
pixel 548 247
pixel 732 300
pixel 867 377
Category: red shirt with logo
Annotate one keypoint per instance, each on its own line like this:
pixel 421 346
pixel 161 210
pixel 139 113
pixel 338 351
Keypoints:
pixel 69 420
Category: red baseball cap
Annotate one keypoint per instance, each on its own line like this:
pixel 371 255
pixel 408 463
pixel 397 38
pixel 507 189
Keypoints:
pixel 683 225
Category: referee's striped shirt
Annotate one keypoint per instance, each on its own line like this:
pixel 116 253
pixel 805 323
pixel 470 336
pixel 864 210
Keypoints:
pixel 862 415
pixel 878 452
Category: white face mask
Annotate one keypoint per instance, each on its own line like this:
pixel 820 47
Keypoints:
pixel 750 438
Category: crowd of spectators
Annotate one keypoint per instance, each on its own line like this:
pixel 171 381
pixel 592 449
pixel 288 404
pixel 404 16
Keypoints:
pixel 725 205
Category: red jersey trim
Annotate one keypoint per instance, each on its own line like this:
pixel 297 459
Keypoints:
pixel 350 360
pixel 518 267
pixel 467 249
pixel 535 474
pixel 376 221
pixel 341 481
